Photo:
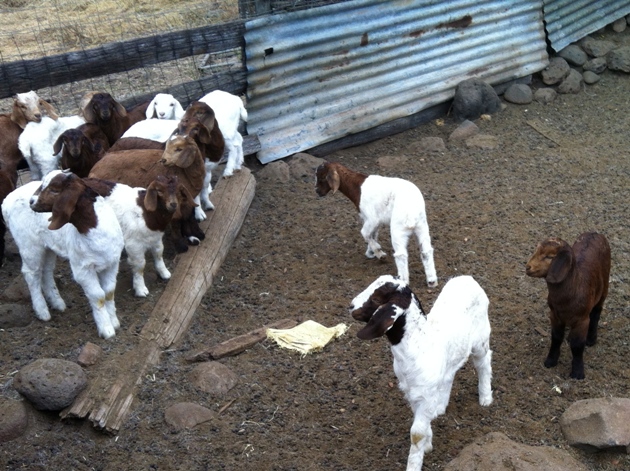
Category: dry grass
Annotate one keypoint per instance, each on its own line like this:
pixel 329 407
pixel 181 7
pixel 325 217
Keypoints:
pixel 34 28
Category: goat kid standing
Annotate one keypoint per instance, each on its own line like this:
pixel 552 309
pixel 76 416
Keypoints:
pixel 577 280
pixel 384 200
pixel 82 228
pixel 429 349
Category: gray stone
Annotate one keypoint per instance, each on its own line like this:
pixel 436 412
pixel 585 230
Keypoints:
pixel 50 384
pixel 519 94
pixel 619 59
pixel 17 292
pixel 590 77
pixel 90 354
pixel 474 97
pixel 302 166
pixel 213 377
pixel 464 131
pixel 13 419
pixel 496 452
pixel 595 424
pixel 15 315
pixel 596 47
pixel 574 55
pixel 556 71
pixel 619 26
pixel 277 171
pixel 187 415
pixel 545 95
pixel 596 65
pixel 572 83
pixel 432 144
pixel 482 141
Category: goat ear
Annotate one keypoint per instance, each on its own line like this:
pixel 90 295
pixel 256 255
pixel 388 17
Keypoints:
pixel 150 198
pixel 18 117
pixel 63 208
pixel 333 180
pixel 120 109
pixel 88 113
pixel 150 112
pixel 379 323
pixel 560 266
pixel 58 144
pixel 50 110
pixel 203 134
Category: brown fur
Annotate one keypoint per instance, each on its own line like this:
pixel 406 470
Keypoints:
pixel 577 279
pixel 102 109
pixel 199 122
pixel 81 148
pixel 127 143
pixel 333 176
pixel 7 185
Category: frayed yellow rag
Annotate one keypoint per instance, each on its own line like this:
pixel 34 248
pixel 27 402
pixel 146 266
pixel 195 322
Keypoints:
pixel 307 337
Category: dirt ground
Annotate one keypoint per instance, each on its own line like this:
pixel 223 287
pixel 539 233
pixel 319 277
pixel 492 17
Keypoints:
pixel 301 256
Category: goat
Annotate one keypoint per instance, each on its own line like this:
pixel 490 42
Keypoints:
pixel 102 109
pixel 27 107
pixel 428 350
pixel 164 106
pixel 577 280
pixel 82 228
pixel 8 181
pixel 81 148
pixel 381 200
pixel 155 129
pixel 229 111
pixel 143 216
pixel 139 167
pixel 37 143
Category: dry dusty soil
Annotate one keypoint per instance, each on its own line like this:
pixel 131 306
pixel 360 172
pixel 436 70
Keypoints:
pixel 302 257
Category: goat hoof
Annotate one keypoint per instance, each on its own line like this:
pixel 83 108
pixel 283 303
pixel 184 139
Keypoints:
pixel 577 375
pixel 550 362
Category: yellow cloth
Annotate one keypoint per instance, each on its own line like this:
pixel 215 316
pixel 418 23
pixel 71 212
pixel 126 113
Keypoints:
pixel 307 337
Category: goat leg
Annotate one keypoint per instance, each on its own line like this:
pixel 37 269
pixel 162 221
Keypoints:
pixel 557 335
pixel 591 337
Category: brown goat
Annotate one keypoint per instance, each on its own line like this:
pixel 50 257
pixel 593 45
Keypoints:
pixel 139 167
pixel 199 122
pixel 81 148
pixel 577 280
pixel 102 109
pixel 8 181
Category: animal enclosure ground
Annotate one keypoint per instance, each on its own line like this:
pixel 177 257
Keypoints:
pixel 559 169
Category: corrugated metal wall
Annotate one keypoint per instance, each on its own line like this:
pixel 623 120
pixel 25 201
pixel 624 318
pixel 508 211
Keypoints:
pixel 317 75
pixel 570 20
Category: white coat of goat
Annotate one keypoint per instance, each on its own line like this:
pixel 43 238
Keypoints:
pixel 165 106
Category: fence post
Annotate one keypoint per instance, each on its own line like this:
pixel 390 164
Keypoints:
pixel 252 8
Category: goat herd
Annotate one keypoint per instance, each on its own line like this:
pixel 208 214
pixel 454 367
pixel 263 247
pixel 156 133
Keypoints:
pixel 112 178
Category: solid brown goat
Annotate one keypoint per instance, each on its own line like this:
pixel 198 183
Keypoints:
pixel 102 109
pixel 577 280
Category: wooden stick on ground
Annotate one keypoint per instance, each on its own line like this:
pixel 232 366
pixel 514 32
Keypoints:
pixel 107 404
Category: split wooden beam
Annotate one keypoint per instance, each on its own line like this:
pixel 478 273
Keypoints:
pixel 107 403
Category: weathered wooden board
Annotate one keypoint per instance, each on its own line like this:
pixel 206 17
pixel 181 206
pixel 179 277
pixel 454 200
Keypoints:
pixel 106 403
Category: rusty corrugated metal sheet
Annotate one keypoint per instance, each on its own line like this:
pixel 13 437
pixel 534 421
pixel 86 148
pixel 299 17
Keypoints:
pixel 321 74
pixel 570 20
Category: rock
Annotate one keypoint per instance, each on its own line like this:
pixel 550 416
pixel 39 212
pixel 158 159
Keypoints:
pixel 15 315
pixel 482 141
pixel 302 166
pixel 90 354
pixel 596 65
pixel 596 47
pixel 278 171
pixel 17 292
pixel 590 77
pixel 50 384
pixel 595 424
pixel 619 26
pixel 556 71
pixel 496 452
pixel 545 95
pixel 213 377
pixel 474 97
pixel 464 131
pixel 574 55
pixel 432 144
pixel 572 83
pixel 619 59
pixel 13 419
pixel 519 94
pixel 187 415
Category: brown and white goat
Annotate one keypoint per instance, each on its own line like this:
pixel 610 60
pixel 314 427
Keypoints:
pixel 81 148
pixel 102 109
pixel 577 280
pixel 384 200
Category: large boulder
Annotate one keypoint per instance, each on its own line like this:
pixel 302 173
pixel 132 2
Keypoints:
pixel 474 97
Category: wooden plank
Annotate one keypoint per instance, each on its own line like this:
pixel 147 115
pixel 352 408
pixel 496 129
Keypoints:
pixel 239 344
pixel 116 57
pixel 107 403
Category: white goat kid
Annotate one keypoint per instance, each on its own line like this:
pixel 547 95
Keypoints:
pixel 228 111
pixel 83 229
pixel 429 349
pixel 165 106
